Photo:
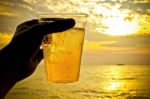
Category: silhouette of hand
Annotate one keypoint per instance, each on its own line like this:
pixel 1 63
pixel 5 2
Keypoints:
pixel 22 55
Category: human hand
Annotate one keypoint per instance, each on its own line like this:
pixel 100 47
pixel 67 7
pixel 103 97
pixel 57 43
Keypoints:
pixel 22 55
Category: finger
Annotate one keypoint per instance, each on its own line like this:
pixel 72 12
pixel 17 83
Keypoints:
pixel 35 21
pixel 49 19
pixel 31 39
pixel 46 28
pixel 27 24
pixel 30 22
pixel 38 57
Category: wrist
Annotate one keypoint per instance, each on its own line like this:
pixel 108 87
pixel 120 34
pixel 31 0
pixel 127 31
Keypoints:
pixel 7 81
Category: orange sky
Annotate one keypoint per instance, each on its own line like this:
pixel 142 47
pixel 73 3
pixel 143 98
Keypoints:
pixel 117 31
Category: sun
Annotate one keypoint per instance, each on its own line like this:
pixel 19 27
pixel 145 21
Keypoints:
pixel 119 26
pixel 118 23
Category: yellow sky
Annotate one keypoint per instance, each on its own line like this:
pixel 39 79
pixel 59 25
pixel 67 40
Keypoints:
pixel 115 29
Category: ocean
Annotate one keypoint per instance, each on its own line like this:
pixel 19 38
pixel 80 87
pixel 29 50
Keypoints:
pixel 96 82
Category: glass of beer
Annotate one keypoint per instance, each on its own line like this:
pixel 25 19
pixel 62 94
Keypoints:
pixel 62 51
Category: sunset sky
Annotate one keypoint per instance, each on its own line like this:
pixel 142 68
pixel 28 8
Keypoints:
pixel 117 31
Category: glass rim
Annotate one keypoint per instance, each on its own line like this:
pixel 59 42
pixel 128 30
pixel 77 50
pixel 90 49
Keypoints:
pixel 62 14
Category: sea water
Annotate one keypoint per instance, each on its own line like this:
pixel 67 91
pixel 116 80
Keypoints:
pixel 96 82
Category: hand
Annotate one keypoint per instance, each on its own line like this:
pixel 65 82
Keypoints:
pixel 22 55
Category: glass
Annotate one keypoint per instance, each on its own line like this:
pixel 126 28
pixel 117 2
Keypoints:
pixel 63 51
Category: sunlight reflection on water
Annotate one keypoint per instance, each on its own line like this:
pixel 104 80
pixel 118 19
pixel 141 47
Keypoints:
pixel 96 82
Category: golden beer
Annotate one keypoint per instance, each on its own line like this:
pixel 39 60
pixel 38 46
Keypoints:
pixel 62 55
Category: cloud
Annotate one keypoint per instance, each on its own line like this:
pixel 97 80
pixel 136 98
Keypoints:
pixel 17 7
pixel 12 14
pixel 112 58
pixel 92 45
pixel 5 11
pixel 141 7
pixel 137 44
pixel 100 48
pixel 102 52
pixel 9 14
pixel 131 41
pixel 97 9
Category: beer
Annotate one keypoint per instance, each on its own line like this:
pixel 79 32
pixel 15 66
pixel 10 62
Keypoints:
pixel 62 55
